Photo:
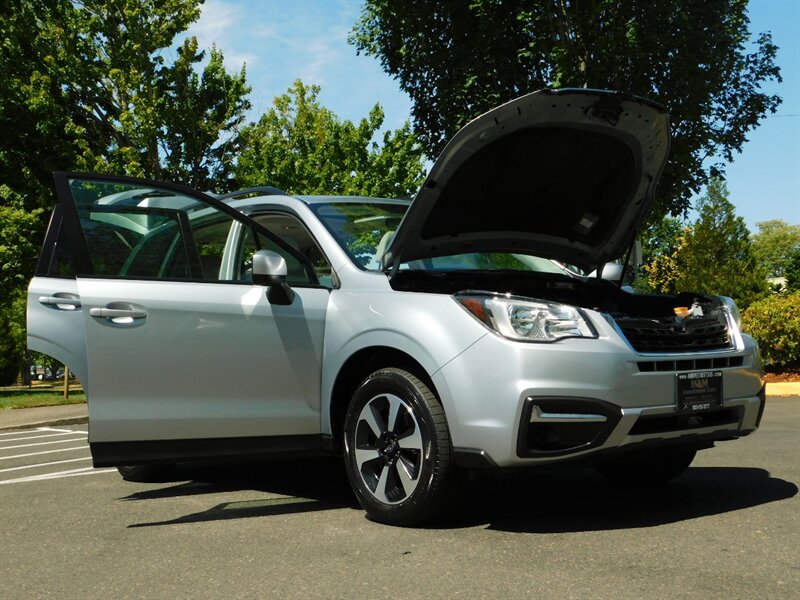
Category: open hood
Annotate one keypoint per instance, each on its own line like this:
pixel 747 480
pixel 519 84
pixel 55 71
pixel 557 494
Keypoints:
pixel 564 174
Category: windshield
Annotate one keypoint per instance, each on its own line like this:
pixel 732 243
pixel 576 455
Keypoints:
pixel 365 229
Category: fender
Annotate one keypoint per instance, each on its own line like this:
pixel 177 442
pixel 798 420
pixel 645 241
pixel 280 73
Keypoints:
pixel 431 337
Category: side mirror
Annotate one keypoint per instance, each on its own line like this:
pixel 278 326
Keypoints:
pixel 269 269
pixel 612 272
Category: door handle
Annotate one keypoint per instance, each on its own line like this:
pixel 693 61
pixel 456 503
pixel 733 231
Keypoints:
pixel 116 313
pixel 65 302
pixel 120 313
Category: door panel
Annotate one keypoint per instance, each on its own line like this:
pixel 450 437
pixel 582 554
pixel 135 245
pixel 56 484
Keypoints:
pixel 207 360
pixel 179 344
pixel 55 323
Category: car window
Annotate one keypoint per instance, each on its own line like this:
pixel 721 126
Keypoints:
pixel 148 232
pixel 363 230
pixel 55 259
pixel 366 229
pixel 294 233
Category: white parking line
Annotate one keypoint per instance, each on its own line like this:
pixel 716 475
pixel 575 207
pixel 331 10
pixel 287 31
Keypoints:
pixel 42 429
pixel 52 429
pixel 47 464
pixel 60 475
pixel 45 452
pixel 46 435
pixel 38 444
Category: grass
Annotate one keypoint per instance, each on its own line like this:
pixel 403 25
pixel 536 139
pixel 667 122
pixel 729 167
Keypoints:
pixel 39 395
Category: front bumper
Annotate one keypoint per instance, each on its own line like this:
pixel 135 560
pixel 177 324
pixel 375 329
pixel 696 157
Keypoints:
pixel 517 404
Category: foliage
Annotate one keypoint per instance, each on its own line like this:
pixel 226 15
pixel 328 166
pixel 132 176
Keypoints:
pixel 86 87
pixel 775 323
pixel 12 337
pixel 19 242
pixel 774 245
pixel 712 256
pixel 458 59
pixel 662 270
pixel 301 147
pixel 202 117
pixel 792 272
pixel 71 72
pixel 661 240
pixel 661 237
pixel 19 246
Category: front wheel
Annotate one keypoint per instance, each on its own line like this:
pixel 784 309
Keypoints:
pixel 647 469
pixel 398 452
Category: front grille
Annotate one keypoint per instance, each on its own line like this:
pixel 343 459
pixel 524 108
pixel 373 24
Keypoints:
pixel 659 366
pixel 693 335
pixel 649 425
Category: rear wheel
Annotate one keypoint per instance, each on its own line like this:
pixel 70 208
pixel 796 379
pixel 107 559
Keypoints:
pixel 398 451
pixel 146 473
pixel 647 469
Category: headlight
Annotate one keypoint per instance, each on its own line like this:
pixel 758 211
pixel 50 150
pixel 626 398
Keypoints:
pixel 526 319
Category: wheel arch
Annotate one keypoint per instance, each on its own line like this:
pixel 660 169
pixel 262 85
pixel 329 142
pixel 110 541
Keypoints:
pixel 358 367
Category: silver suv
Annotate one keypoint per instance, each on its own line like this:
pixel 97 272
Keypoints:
pixel 476 327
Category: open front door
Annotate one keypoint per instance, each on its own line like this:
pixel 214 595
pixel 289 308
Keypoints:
pixel 185 356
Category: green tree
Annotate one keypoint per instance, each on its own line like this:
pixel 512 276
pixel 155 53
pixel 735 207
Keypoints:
pixel 792 272
pixel 457 59
pixel 12 337
pixel 774 245
pixel 19 243
pixel 300 146
pixel 80 87
pixel 660 266
pixel 86 87
pixel 715 255
pixel 660 241
pixel 19 246
pixel 203 114
pixel 661 237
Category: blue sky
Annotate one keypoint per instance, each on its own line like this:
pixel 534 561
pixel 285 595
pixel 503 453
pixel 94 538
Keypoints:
pixel 284 40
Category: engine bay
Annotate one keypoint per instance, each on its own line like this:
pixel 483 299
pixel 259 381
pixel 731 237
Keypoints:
pixel 652 323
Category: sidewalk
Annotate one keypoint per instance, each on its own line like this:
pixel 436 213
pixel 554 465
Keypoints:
pixel 71 414
pixel 44 416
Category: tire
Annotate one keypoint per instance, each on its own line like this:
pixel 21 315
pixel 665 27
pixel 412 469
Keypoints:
pixel 398 453
pixel 647 469
pixel 146 473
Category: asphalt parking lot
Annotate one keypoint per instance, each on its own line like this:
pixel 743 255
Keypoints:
pixel 728 528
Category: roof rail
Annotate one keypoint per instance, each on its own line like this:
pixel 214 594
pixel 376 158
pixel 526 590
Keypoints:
pixel 264 190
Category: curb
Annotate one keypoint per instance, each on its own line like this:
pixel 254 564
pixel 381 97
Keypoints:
pixel 53 423
pixel 791 388
pixel 44 416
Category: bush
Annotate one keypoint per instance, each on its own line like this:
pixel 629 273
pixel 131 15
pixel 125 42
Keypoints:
pixel 775 323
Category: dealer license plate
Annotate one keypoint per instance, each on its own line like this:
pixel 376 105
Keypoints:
pixel 701 390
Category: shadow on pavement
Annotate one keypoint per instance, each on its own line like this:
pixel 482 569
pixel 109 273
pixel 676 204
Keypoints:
pixel 533 502
pixel 581 500
pixel 304 485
